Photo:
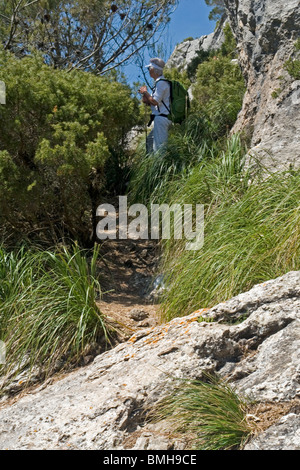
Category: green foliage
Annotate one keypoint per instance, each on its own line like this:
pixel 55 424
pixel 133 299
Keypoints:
pixel 59 131
pixel 200 57
pixel 210 414
pixel 293 68
pixel 48 307
pixel 218 86
pixel 218 11
pixel 180 76
pixel 228 47
pixel 276 93
pixel 218 93
pixel 155 177
pixel 292 65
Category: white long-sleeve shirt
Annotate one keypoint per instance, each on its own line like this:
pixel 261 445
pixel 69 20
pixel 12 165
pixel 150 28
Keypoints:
pixel 161 94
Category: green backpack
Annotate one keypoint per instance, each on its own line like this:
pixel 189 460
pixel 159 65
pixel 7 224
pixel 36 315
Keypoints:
pixel 179 101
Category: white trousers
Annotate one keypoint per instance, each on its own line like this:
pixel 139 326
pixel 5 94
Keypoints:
pixel 159 133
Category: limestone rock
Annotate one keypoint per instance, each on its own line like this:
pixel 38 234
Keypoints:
pixel 138 314
pixel 254 342
pixel 186 51
pixel 284 435
pixel 266 31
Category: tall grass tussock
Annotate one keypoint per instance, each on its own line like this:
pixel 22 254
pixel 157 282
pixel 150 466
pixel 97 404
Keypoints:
pixel 251 233
pixel 210 414
pixel 49 311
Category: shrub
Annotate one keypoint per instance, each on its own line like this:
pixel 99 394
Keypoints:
pixel 292 65
pixel 58 132
pixel 218 93
pixel 174 74
pixel 200 57
pixel 228 48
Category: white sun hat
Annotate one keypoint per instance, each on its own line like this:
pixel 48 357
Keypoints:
pixel 156 63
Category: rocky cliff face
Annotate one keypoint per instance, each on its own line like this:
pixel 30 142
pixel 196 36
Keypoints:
pixel 254 342
pixel 266 31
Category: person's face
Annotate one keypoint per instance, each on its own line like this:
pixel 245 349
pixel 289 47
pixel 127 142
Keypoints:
pixel 153 73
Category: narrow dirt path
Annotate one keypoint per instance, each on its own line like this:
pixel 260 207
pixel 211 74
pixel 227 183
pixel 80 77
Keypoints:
pixel 127 269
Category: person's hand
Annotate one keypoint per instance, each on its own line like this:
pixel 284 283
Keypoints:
pixel 143 89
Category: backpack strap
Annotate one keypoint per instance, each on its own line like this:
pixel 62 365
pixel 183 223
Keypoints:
pixel 164 80
pixel 167 107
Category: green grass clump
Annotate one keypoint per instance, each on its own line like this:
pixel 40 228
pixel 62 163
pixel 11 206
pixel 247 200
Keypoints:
pixel 251 234
pixel 48 305
pixel 211 415
pixel 292 66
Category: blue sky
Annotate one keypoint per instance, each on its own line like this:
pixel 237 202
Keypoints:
pixel 190 19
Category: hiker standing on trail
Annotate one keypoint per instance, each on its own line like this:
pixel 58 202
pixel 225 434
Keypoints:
pixel 159 101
